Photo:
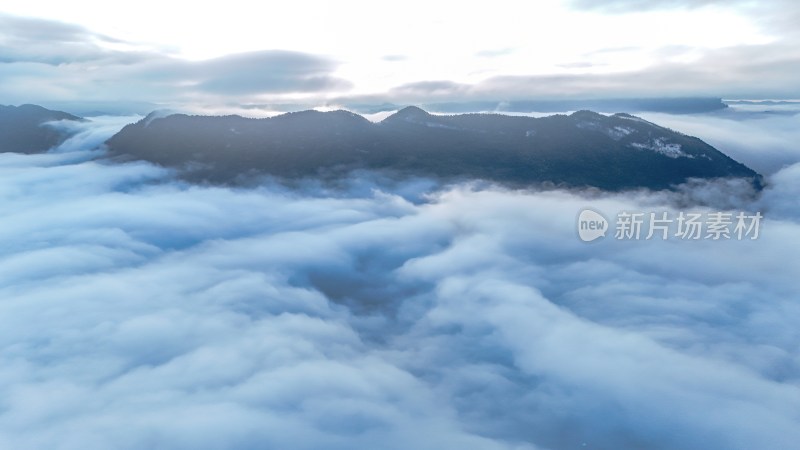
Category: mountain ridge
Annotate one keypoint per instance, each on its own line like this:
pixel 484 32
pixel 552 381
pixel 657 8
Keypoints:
pixel 22 130
pixel 583 149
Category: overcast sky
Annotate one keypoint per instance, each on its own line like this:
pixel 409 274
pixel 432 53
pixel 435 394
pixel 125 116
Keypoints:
pixel 313 51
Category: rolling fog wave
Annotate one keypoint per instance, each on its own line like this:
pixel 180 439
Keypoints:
pixel 138 311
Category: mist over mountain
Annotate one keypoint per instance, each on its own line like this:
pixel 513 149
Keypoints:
pixel 141 311
pixel 584 149
pixel 472 318
pixel 23 129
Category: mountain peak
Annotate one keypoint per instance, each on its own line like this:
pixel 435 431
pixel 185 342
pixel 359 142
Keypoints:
pixel 37 112
pixel 21 128
pixel 313 117
pixel 586 114
pixel 409 114
pixel 412 111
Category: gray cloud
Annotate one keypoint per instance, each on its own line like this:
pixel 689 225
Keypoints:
pixel 44 60
pixel 728 73
pixel 33 29
pixel 775 17
pixel 31 40
pixel 429 89
pixel 139 311
pixel 164 79
pixel 618 6
pixel 267 71
pixel 742 71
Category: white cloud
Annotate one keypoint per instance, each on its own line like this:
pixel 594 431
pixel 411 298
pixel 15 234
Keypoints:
pixel 138 311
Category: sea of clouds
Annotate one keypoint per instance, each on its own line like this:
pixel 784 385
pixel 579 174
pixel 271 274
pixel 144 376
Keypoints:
pixel 138 311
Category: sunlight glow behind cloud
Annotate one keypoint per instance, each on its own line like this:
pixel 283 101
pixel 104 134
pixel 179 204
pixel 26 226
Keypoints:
pixel 441 40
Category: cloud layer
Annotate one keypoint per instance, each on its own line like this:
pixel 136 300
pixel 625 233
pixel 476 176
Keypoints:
pixel 137 311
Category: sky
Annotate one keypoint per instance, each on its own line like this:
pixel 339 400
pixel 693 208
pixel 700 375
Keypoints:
pixel 139 311
pixel 322 53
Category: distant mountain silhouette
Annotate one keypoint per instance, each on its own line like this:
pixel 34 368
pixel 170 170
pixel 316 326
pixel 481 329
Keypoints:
pixel 22 130
pixel 687 105
pixel 583 149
